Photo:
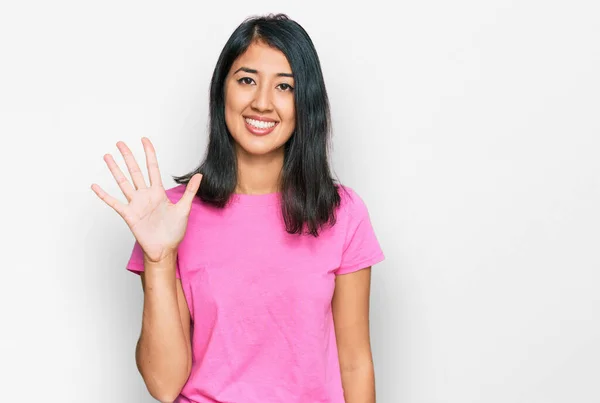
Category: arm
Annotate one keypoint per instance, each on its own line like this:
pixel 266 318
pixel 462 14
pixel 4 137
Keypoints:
pixel 350 306
pixel 163 352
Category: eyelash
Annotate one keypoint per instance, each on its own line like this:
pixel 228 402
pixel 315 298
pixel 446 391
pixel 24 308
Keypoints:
pixel 289 87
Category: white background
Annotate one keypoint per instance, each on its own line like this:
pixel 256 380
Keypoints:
pixel 470 129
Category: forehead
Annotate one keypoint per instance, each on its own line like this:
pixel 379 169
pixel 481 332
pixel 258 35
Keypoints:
pixel 264 58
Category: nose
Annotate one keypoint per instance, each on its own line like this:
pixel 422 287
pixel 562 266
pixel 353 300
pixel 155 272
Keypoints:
pixel 262 98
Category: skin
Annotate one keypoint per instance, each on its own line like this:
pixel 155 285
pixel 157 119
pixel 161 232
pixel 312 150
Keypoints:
pixel 350 307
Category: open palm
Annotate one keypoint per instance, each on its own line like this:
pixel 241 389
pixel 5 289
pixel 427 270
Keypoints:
pixel 157 224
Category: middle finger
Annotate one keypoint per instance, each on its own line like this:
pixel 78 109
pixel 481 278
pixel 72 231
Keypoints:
pixel 132 166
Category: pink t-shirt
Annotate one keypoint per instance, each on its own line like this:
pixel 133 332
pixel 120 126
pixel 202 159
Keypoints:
pixel 260 299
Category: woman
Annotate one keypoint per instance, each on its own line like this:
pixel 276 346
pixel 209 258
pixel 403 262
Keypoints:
pixel 256 266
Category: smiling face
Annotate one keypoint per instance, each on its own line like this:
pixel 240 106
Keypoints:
pixel 259 101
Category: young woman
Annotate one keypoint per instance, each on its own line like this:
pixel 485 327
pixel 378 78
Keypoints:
pixel 256 266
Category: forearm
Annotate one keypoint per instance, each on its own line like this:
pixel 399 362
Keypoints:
pixel 162 353
pixel 359 384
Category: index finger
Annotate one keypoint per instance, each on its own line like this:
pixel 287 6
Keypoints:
pixel 151 163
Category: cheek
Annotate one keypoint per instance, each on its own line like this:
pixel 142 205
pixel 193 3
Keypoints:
pixel 235 99
pixel 230 114
pixel 288 112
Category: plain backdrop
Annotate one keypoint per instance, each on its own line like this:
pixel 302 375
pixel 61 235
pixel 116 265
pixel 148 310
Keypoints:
pixel 470 128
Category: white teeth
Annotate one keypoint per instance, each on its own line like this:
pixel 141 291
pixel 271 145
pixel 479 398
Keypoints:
pixel 260 124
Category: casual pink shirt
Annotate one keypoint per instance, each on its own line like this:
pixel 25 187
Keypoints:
pixel 260 299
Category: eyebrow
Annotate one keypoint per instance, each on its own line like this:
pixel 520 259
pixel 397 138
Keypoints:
pixel 249 70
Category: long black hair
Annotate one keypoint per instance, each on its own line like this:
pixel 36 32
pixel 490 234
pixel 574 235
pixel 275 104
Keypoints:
pixel 309 194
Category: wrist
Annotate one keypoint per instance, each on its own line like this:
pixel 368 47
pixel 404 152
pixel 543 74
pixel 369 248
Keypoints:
pixel 165 263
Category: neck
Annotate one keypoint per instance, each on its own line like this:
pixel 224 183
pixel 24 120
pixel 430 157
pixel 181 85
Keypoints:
pixel 259 174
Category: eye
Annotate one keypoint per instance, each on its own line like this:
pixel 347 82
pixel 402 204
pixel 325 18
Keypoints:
pixel 286 87
pixel 245 80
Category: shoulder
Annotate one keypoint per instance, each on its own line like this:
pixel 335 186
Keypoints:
pixel 351 202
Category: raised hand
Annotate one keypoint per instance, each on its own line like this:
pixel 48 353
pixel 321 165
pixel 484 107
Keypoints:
pixel 157 224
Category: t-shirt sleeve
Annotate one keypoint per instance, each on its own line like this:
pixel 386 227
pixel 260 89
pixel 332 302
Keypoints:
pixel 361 247
pixel 136 261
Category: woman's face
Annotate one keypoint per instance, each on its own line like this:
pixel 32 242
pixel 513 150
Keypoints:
pixel 259 100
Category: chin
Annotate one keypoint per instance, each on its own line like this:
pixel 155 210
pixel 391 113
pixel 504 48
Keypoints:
pixel 256 149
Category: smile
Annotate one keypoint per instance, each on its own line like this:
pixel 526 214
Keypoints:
pixel 259 124
pixel 259 127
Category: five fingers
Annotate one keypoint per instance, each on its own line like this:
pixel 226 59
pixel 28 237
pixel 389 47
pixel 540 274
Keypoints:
pixel 138 179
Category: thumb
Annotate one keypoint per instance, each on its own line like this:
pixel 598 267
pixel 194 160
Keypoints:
pixel 190 191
